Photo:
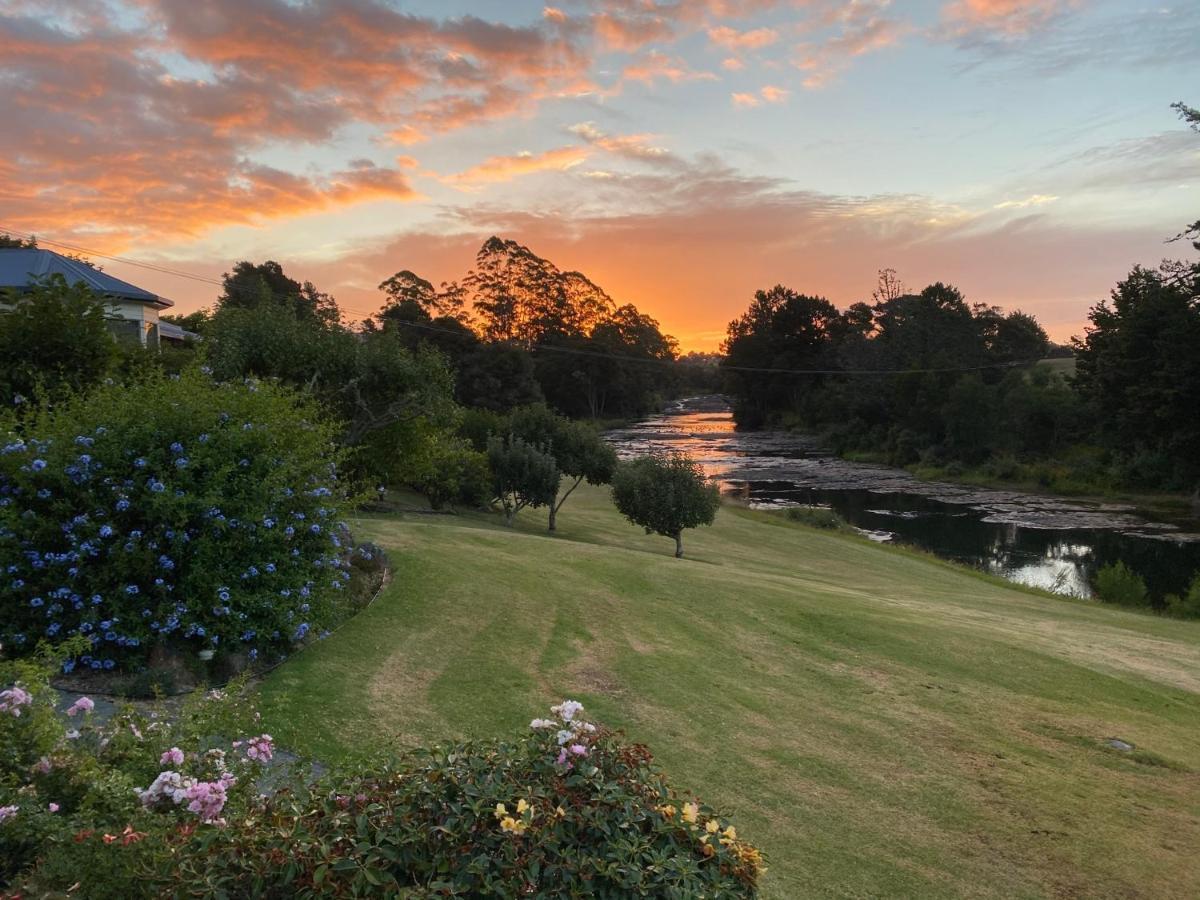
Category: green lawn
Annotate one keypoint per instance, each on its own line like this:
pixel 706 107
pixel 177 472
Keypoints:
pixel 880 723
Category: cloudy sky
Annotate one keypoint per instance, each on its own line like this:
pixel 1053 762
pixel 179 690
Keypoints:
pixel 682 153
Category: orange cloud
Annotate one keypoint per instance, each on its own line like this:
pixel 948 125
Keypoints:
pixel 732 39
pixel 1010 17
pixel 632 146
pixel 767 94
pixel 506 168
pixel 826 60
pixel 655 65
pixel 732 64
pixel 630 33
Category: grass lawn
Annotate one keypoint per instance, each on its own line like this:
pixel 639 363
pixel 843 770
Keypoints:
pixel 880 723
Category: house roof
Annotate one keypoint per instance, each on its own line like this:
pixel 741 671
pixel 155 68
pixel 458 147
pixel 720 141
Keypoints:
pixel 20 266
pixel 173 332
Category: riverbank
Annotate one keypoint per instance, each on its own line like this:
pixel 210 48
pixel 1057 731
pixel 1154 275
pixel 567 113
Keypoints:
pixel 1048 479
pixel 881 724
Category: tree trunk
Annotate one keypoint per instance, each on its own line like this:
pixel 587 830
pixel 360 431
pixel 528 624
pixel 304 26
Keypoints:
pixel 559 501
pixel 679 545
pixel 509 513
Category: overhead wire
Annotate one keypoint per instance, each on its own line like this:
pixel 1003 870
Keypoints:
pixel 548 348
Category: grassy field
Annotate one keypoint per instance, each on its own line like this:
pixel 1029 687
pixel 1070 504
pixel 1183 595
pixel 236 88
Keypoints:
pixel 880 723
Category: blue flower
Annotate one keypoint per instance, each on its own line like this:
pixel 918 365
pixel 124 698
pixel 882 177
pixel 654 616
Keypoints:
pixel 270 567
pixel 84 441
pixel 301 631
pixel 181 462
pixel 157 486
pixel 36 601
pixel 38 464
pixel 43 493
pixel 166 562
pixel 140 462
pixel 106 530
pixel 122 505
pixel 203 438
pixel 97 599
pixel 68 666
pixel 223 594
pixel 177 447
pixel 108 664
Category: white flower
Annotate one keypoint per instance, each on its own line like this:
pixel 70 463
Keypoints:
pixel 564 736
pixel 542 723
pixel 567 709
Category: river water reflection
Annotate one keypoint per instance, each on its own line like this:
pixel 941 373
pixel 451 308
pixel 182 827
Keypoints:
pixel 1048 542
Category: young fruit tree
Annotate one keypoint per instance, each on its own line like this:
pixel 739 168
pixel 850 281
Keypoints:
pixel 578 449
pixel 665 494
pixel 523 474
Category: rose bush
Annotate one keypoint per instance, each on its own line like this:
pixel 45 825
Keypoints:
pixel 151 805
pixel 172 511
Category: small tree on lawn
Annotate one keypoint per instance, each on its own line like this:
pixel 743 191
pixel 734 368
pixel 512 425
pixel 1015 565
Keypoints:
pixel 523 474
pixel 665 494
pixel 580 452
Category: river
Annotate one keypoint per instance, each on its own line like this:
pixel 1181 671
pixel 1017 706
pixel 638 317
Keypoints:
pixel 1050 542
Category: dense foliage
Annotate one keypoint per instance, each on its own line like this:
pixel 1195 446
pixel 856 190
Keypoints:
pixel 579 452
pixel 53 338
pixel 1139 370
pixel 174 805
pixel 523 474
pixel 665 494
pixel 171 510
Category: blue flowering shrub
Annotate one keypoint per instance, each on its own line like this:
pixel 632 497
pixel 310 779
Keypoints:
pixel 171 512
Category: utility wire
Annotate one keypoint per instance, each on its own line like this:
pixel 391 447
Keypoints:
pixel 727 368
pixel 549 348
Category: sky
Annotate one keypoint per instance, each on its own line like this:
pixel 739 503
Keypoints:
pixel 681 153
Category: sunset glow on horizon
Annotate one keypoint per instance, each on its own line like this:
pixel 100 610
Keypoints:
pixel 680 153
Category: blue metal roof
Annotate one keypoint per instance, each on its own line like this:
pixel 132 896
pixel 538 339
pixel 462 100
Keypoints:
pixel 20 266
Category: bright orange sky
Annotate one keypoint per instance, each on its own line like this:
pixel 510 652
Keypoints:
pixel 681 153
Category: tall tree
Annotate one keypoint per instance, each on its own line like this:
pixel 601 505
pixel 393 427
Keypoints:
pixel 251 285
pixel 1138 367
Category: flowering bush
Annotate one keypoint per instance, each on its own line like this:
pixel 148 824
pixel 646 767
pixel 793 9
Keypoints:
pixel 150 805
pixel 173 511
pixel 570 811
pixel 95 802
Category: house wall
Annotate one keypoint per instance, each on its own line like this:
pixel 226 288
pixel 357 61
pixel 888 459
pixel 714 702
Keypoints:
pixel 144 314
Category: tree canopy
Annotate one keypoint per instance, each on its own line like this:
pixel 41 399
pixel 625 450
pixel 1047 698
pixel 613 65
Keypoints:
pixel 665 494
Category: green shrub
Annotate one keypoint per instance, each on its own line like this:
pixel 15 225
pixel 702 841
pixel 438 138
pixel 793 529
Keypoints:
pixel 571 811
pixel 523 474
pixel 818 517
pixel 173 511
pixel 77 798
pixel 1188 605
pixel 450 471
pixel 1117 583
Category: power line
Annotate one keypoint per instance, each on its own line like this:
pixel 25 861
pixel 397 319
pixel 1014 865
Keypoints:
pixel 154 267
pixel 726 368
pixel 550 348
